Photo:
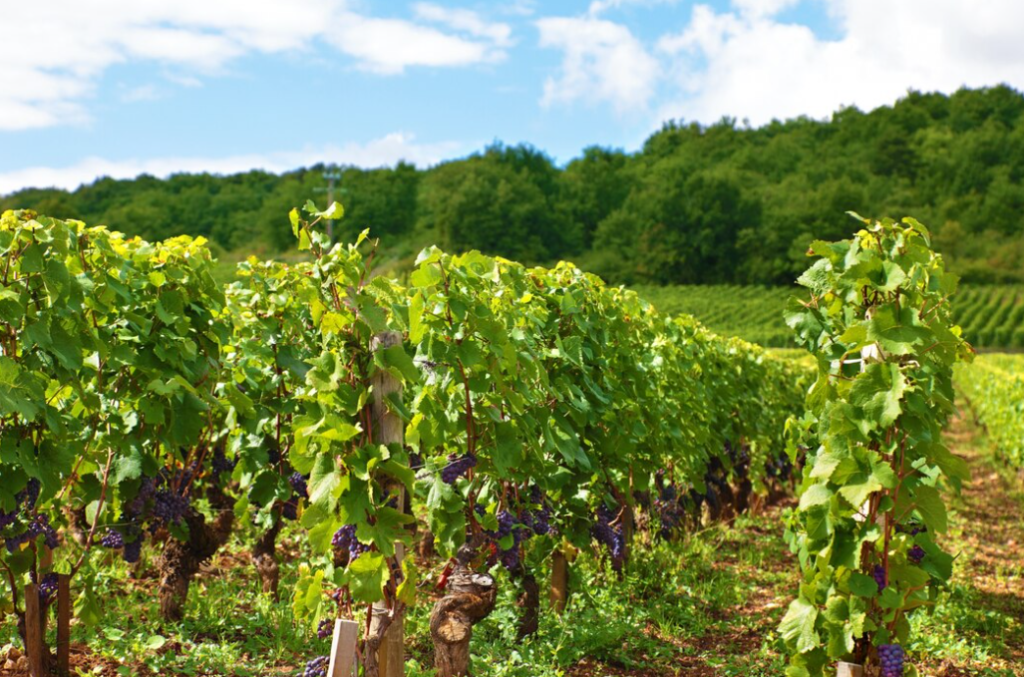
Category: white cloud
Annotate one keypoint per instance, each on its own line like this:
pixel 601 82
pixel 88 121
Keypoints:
pixel 603 62
pixel 745 64
pixel 601 6
pixel 384 151
pixel 500 34
pixel 55 50
pixel 389 46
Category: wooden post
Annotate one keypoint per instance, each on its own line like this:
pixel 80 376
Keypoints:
pixel 849 670
pixel 388 429
pixel 559 580
pixel 343 649
pixel 63 625
pixel 34 632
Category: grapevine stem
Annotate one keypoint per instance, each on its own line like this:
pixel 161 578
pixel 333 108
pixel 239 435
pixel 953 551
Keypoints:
pixel 96 519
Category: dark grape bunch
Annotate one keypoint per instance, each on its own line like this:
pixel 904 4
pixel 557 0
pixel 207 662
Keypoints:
pixel 345 539
pixel 221 463
pixel 40 526
pixel 325 629
pixel 112 539
pixel 891 657
pixel 298 482
pixel 916 554
pixel 609 536
pixel 457 467
pixel 317 667
pixel 290 510
pixel 169 506
pixel 878 573
pixel 47 588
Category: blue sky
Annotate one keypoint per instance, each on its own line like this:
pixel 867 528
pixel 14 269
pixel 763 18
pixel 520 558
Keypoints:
pixel 118 87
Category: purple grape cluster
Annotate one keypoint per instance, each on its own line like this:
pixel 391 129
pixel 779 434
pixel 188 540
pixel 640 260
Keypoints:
pixel 317 667
pixel 916 554
pixel 878 573
pixel 40 526
pixel 891 657
pixel 325 629
pixel 298 482
pixel 132 551
pixel 609 536
pixel 290 510
pixel 221 463
pixel 112 539
pixel 345 539
pixel 30 494
pixel 170 506
pixel 47 588
pixel 274 456
pixel 457 467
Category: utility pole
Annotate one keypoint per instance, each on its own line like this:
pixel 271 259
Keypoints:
pixel 331 174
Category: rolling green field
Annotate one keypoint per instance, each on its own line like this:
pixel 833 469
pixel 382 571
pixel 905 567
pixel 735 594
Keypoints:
pixel 992 316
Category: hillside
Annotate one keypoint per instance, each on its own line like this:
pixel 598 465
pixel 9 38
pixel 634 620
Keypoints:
pixel 719 204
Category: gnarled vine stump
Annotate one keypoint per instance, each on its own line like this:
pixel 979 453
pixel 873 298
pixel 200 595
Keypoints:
pixel 470 599
pixel 264 558
pixel 181 559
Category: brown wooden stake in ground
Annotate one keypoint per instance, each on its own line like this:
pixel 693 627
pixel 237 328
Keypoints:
pixel 63 625
pixel 559 581
pixel 343 649
pixel 37 663
pixel 385 635
pixel 849 670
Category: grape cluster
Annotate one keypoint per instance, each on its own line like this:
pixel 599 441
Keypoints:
pixel 26 498
pixel 274 456
pixel 298 482
pixel 457 467
pixel 916 554
pixel 779 467
pixel 221 463
pixel 878 573
pixel 169 506
pixel 40 526
pixel 290 510
pixel 132 551
pixel 30 494
pixel 47 588
pixel 891 656
pixel 317 667
pixel 112 539
pixel 670 509
pixel 609 536
pixel 345 539
pixel 325 628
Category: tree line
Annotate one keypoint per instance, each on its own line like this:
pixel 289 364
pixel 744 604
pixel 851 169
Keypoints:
pixel 709 204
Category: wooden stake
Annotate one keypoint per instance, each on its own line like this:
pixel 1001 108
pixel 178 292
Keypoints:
pixel 849 670
pixel 559 580
pixel 34 632
pixel 343 649
pixel 63 625
pixel 389 429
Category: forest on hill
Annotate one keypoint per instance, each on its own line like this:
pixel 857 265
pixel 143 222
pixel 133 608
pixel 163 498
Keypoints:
pixel 718 204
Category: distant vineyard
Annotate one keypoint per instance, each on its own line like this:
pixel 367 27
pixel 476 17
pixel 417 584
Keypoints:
pixel 752 313
pixel 992 316
pixel 994 386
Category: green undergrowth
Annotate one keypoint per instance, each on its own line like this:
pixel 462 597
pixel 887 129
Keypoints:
pixel 704 605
